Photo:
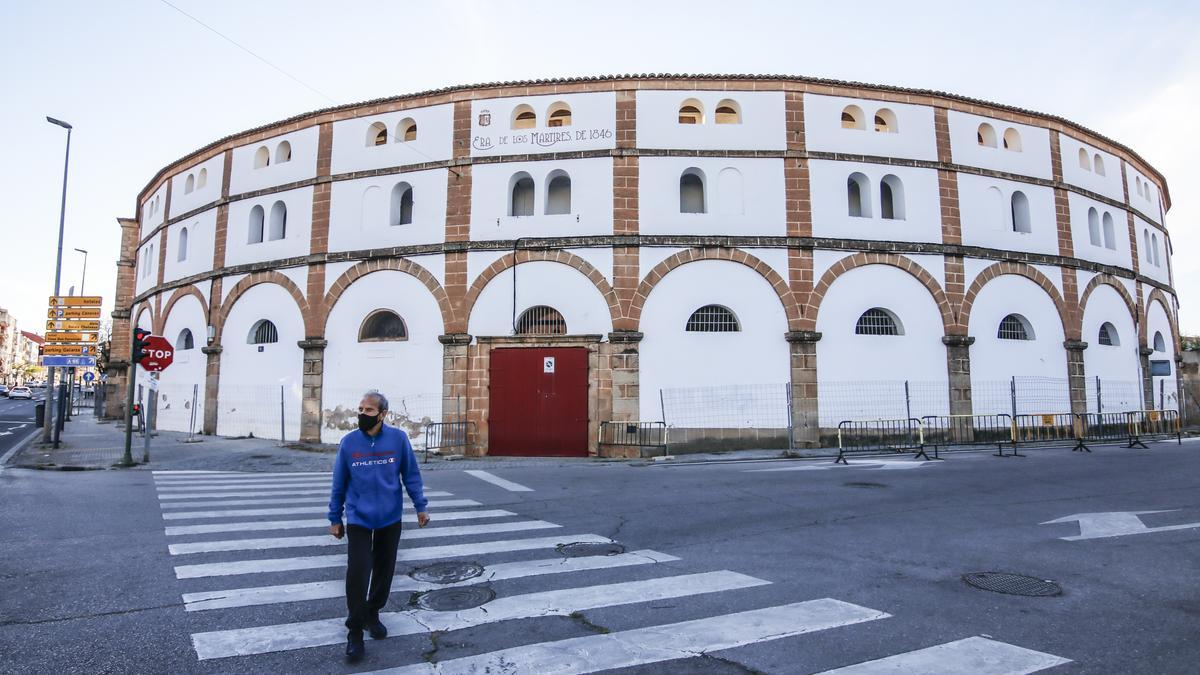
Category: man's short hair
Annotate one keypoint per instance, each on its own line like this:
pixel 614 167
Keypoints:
pixel 381 401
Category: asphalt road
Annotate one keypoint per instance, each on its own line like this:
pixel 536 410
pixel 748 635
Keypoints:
pixel 823 567
pixel 17 421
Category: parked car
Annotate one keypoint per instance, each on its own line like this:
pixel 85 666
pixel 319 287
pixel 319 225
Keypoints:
pixel 20 392
pixel 3 390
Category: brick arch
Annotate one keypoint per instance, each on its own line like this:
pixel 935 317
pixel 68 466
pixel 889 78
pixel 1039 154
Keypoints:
pixel 137 312
pixel 903 263
pixel 1158 296
pixel 404 265
pixel 1106 280
pixel 1070 331
pixel 558 256
pixel 655 275
pixel 265 277
pixel 179 294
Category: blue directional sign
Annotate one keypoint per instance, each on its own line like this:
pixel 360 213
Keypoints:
pixel 89 376
pixel 69 361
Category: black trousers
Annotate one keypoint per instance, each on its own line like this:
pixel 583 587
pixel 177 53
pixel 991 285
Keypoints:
pixel 370 564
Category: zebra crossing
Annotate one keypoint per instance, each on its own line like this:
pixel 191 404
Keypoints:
pixel 215 523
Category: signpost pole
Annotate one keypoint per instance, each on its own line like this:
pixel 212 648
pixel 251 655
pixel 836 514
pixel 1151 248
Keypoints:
pixel 151 399
pixel 130 389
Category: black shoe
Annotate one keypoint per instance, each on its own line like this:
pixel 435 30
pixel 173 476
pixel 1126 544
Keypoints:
pixel 377 630
pixel 355 649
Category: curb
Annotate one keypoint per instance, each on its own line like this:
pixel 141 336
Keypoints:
pixel 16 449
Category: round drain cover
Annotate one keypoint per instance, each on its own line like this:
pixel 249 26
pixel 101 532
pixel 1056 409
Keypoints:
pixel 583 549
pixel 455 599
pixel 447 572
pixel 1013 584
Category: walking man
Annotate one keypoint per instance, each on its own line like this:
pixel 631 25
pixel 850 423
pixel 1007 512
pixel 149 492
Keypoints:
pixel 370 465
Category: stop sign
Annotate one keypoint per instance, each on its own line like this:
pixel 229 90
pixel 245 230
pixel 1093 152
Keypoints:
pixel 157 354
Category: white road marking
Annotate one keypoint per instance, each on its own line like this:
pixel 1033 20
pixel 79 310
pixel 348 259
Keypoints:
pixel 302 499
pixel 265 639
pixel 267 595
pixel 975 655
pixel 248 493
pixel 877 464
pixel 329 540
pixel 230 480
pixel 319 508
pixel 181 473
pixel 498 481
pixel 317 523
pixel 405 554
pixel 1115 524
pixel 216 490
pixel 656 644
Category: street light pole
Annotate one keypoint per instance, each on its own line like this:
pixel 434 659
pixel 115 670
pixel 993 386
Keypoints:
pixel 50 422
pixel 83 277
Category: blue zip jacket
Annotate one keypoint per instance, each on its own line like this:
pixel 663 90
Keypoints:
pixel 366 478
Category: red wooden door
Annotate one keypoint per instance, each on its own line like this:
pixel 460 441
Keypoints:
pixel 538 402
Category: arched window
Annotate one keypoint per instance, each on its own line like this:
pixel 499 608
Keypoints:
pixel 189 184
pixel 283 152
pixel 1012 140
pixel 729 112
pixel 406 131
pixel 382 326
pixel 891 198
pixel 995 210
pixel 520 190
pixel 691 191
pixel 713 319
pixel 691 111
pixel 1108 335
pixel 541 320
pixel 185 341
pixel 878 321
pixel 278 228
pixel 1085 161
pixel 1138 180
pixel 376 134
pixel 524 117
pixel 558 115
pixel 1020 213
pixel 1015 327
pixel 729 192
pixel 1154 250
pixel 853 118
pixel 1110 235
pixel 257 218
pixel 401 212
pixel 558 193
pixel 1146 245
pixel 183 237
pixel 262 157
pixel 858 195
pixel 1094 226
pixel 986 135
pixel 885 121
pixel 1099 164
pixel 1149 191
pixel 263 332
pixel 1160 345
pixel 202 179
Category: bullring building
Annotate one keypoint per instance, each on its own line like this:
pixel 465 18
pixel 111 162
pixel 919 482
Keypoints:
pixel 729 255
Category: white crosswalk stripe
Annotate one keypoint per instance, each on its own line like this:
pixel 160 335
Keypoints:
pixel 302 499
pixel 317 523
pixel 976 655
pixel 320 509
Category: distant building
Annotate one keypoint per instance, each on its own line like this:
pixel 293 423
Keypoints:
pixel 28 354
pixel 10 342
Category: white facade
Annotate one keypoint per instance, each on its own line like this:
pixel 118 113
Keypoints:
pixel 354 140
pixel 909 134
pixel 1031 159
pixel 590 199
pixel 761 125
pixel 916 211
pixel 367 213
pixel 740 196
pixel 987 209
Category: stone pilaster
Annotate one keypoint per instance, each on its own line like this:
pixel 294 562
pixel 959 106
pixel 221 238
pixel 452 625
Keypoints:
pixel 212 381
pixel 806 427
pixel 958 368
pixel 626 375
pixel 310 402
pixel 1076 379
pixel 1147 379
pixel 455 366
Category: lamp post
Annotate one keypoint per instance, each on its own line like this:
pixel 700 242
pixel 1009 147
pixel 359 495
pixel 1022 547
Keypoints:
pixel 50 423
pixel 83 277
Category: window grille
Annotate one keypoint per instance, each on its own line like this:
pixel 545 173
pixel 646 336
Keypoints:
pixel 1108 335
pixel 712 319
pixel 264 332
pixel 1012 327
pixel 382 325
pixel 877 321
pixel 541 320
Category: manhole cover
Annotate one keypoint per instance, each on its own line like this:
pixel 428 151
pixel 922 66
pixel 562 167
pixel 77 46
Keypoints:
pixel 582 549
pixel 455 599
pixel 447 572
pixel 864 485
pixel 1013 584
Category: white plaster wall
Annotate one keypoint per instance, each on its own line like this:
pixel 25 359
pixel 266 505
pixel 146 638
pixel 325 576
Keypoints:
pixel 1115 365
pixel 762 208
pixel 402 370
pixel 478 261
pixel 593 125
pixel 600 258
pixel 672 358
pixel 434 142
pixel 183 202
pixel 243 177
pixel 360 211
pixel 986 223
pixel 297 236
pixel 188 369
pixel 1054 274
pixel 650 256
pixel 333 271
pixel 1081 236
pixel 540 283
pixel 154 211
pixel 823 132
pixel 1157 321
pixel 146 268
pixel 1158 272
pixel 830 208
pixel 1109 184
pixel 435 264
pixel 761 128
pixel 202 230
pixel 249 397
pixel 1148 204
pixel 1033 159
pixel 591 200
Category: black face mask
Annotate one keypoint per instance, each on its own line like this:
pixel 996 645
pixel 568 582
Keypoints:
pixel 367 422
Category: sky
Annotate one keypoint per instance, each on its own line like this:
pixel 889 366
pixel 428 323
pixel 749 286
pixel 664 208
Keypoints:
pixel 144 85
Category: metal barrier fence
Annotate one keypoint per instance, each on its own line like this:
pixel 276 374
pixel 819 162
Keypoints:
pixel 634 435
pixel 440 435
pixel 1101 427
pixel 946 431
pixel 1047 428
pixel 1154 424
pixel 873 436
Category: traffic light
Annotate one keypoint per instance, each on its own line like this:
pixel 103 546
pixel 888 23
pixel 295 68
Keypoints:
pixel 140 336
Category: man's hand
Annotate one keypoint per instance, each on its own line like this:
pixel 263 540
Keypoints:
pixel 337 530
pixel 423 519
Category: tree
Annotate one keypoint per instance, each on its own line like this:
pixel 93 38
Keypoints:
pixel 1191 343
